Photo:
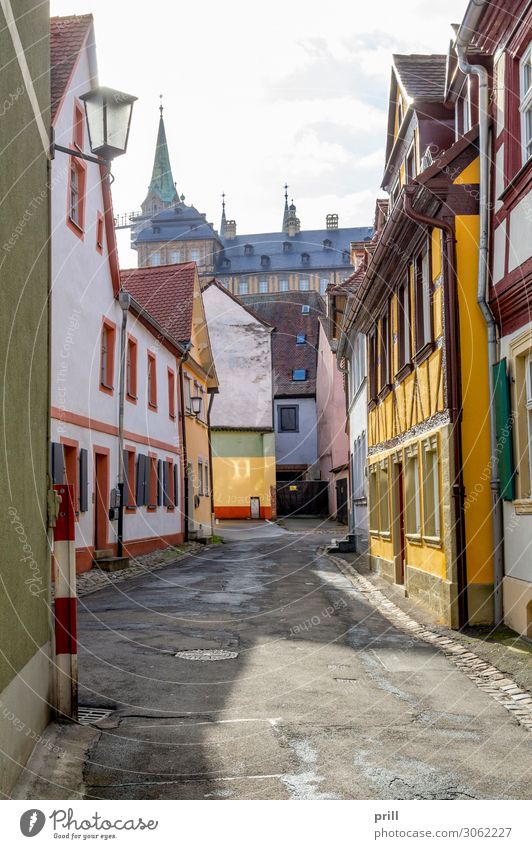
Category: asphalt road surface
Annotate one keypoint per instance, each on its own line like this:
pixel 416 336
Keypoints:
pixel 319 696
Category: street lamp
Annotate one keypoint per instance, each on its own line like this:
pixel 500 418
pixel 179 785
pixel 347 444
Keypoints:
pixel 108 115
pixel 195 404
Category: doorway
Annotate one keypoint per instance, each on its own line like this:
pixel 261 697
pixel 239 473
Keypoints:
pixel 341 500
pixel 101 497
pixel 254 504
pixel 399 538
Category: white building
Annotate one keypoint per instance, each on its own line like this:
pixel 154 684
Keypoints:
pixel 86 331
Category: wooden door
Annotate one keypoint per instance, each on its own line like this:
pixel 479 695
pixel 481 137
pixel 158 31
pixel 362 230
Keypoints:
pixel 101 497
pixel 254 504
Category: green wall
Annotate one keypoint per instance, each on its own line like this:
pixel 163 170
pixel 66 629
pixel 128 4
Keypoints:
pixel 24 280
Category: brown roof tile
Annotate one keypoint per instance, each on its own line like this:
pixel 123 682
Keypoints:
pixel 166 292
pixel 67 36
pixel 283 311
pixel 422 77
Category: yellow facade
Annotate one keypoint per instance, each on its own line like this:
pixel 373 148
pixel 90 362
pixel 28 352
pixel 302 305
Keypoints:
pixel 244 471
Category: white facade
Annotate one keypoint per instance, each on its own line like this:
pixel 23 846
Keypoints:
pixel 300 447
pixel 241 347
pixel 85 415
pixel 358 425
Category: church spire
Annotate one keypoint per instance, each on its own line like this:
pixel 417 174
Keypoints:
pixel 223 223
pixel 286 213
pixel 162 188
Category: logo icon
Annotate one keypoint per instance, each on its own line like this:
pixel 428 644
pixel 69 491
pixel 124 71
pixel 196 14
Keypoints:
pixel 32 822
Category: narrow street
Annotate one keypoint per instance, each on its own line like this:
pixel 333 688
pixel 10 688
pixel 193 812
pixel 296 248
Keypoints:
pixel 323 700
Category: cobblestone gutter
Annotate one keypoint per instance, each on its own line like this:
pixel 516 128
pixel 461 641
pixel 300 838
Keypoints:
pixel 486 676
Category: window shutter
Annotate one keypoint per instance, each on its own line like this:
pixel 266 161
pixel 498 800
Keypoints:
pixel 141 483
pixel 166 469
pixel 160 475
pixel 58 463
pixel 176 484
pixel 146 480
pixel 503 419
pixel 126 477
pixel 83 481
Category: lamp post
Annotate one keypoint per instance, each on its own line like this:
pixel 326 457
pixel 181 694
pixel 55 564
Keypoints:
pixel 108 114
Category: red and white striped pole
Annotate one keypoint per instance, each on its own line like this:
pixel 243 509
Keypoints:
pixel 66 658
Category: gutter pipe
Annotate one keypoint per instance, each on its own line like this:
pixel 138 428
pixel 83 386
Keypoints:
pixel 124 299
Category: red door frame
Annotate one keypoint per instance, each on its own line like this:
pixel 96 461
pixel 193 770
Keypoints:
pixel 101 505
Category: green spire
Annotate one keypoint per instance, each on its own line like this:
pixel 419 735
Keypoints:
pixel 162 182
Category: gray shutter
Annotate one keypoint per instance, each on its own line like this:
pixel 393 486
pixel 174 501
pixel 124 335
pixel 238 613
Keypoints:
pixel 146 480
pixel 125 455
pixel 83 481
pixel 140 484
pixel 58 463
pixel 159 482
pixel 166 469
pixel 176 483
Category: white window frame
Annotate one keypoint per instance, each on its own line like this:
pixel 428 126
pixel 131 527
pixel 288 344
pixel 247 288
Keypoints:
pixel 195 255
pixel 304 284
pixel 243 287
pixel 175 255
pixel 155 258
pixel 324 282
pixel 283 285
pixel 525 104
pixel 264 286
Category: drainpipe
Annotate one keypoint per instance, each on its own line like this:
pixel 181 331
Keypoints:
pixel 211 478
pixel 124 299
pixel 454 391
pixel 481 73
pixel 183 359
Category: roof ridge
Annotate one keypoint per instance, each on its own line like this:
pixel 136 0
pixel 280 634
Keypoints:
pixel 153 268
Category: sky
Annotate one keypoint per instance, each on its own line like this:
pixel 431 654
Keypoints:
pixel 259 94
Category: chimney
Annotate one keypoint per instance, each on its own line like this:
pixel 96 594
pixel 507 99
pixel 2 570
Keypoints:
pixel 332 221
pixel 230 229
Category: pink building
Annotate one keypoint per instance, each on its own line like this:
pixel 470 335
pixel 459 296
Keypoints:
pixel 333 444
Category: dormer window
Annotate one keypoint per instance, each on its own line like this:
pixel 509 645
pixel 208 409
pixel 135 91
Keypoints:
pixel 226 263
pixel 345 256
pixel 248 250
pixel 301 338
pixel 287 247
pixel 327 244
pixel 264 260
pixel 299 374
pixel 305 309
pixel 305 258
pixel 156 229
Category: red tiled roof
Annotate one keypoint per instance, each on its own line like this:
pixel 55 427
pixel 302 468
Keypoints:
pixel 166 292
pixel 66 40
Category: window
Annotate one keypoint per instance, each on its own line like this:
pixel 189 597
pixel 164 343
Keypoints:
pixel 200 477
pixel 359 464
pixel 288 419
pixel 358 363
pixel 303 284
pixel 243 288
pixel 394 194
pixel 384 498
pixel 525 103
pixel 324 282
pixel 373 501
pixel 431 490
pixel 72 472
pixel 299 374
pixel 171 394
pixel 305 258
pixel 169 488
pixel 301 338
pixel 372 369
pixel 410 164
pixel 76 202
pixel 422 299
pixel 195 255
pixel 129 478
pixel 155 258
pixel 265 260
pixel 412 495
pixel 283 285
pixel 107 351
pixel 206 475
pixel 263 286
pixel 385 352
pixel 528 407
pixel 174 256
pixel 305 309
pixel 188 393
pixel 78 126
pixel 403 323
pixel 99 232
pixel 152 380
pixel 131 369
pixel 248 250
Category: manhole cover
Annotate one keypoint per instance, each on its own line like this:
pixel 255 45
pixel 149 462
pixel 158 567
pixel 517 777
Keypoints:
pixel 207 654
pixel 88 715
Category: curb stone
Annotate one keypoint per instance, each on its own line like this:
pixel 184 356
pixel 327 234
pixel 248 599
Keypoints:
pixel 486 676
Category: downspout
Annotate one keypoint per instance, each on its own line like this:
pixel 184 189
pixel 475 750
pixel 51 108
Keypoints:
pixel 183 359
pixel 211 478
pixel 482 300
pixel 454 392
pixel 124 299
